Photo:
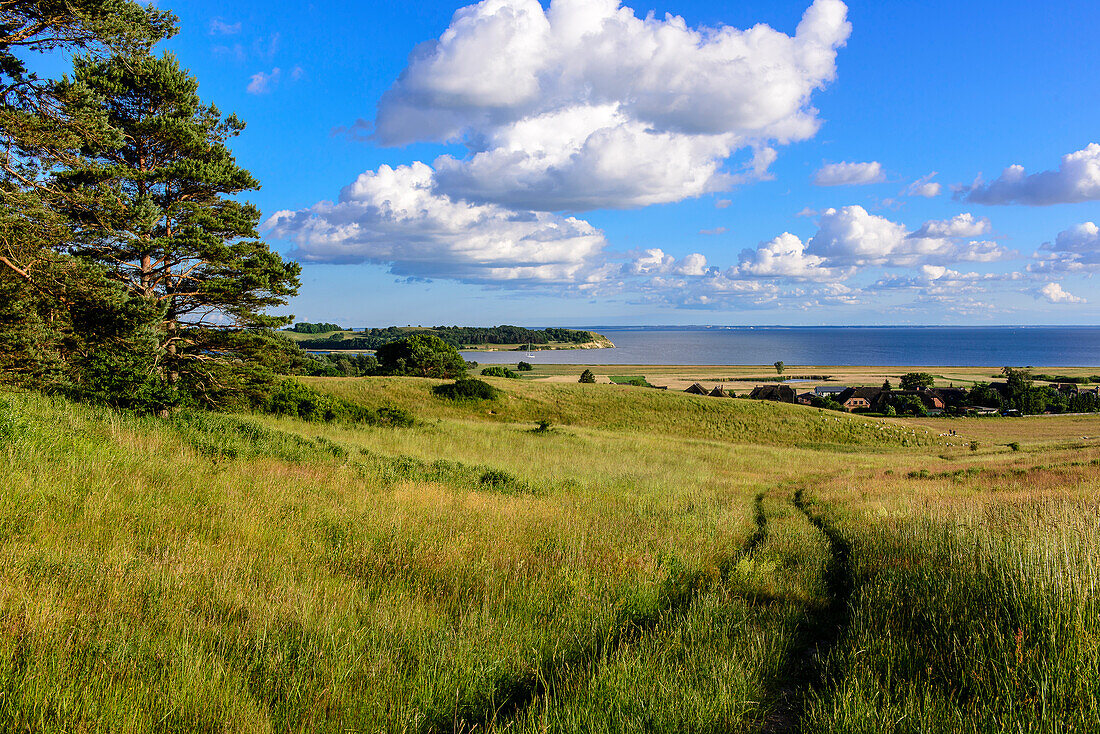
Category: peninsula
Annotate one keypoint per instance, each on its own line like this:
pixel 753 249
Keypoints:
pixel 333 338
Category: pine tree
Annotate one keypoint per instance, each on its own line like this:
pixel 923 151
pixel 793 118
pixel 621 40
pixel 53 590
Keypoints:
pixel 60 319
pixel 153 207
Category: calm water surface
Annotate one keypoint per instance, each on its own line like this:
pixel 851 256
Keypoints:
pixel 1038 346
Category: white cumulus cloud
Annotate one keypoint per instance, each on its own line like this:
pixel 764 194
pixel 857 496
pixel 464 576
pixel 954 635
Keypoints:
pixel 1076 249
pixel 849 174
pixel 1077 179
pixel 785 257
pixel 393 217
pixel 1054 293
pixel 585 105
pixel 961 225
pixel 851 236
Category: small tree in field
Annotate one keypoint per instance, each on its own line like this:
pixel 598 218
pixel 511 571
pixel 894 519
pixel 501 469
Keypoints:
pixel 421 355
pixel 588 376
pixel 779 367
pixel 917 381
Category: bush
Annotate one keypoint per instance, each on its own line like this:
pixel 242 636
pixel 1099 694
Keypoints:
pixel 421 355
pixel 466 389
pixel 294 399
pixel 524 367
pixel 1015 445
pixel 498 370
pixel 587 377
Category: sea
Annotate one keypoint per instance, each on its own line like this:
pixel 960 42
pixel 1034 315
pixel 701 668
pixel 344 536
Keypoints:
pixel 992 346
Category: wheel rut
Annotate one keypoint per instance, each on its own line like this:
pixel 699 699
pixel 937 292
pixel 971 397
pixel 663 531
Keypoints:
pixel 513 696
pixel 802 670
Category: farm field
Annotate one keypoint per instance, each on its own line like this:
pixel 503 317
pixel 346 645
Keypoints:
pixel 742 378
pixel 650 561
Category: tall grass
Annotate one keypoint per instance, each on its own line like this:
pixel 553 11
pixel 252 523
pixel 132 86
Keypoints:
pixel 638 567
pixel 986 626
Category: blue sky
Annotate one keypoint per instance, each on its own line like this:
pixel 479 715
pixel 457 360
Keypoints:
pixel 602 165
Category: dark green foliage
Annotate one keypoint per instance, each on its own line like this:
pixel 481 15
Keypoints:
pixel 340 365
pixel 909 405
pixel 456 336
pixel 917 381
pixel 825 403
pixel 63 326
pixel 588 376
pixel 304 327
pixel 421 355
pixel 779 367
pixel 498 370
pixel 295 399
pixel 886 385
pixel 524 367
pixel 467 389
pixel 154 208
pixel 1019 393
pixel 636 380
pixel 86 337
pixel 543 427
pixel 1015 445
pixel 231 437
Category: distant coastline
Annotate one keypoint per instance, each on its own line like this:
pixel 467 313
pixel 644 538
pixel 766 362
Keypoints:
pixel 991 346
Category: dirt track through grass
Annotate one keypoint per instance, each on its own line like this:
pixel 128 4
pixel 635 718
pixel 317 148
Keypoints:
pixel 821 629
pixel 558 681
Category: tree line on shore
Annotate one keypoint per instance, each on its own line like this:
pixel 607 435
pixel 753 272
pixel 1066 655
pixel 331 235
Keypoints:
pixel 457 336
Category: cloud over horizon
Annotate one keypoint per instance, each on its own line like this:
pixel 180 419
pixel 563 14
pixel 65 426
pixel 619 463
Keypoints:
pixel 1076 180
pixel 392 217
pixel 584 105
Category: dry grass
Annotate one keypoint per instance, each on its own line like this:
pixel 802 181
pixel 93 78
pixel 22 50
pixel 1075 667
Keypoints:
pixel 615 573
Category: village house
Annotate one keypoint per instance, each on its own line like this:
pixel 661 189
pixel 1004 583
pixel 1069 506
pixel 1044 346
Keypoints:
pixel 829 391
pixel 778 393
pixel 697 389
pixel 860 398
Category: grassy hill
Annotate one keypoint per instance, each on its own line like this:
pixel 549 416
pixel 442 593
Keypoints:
pixel 638 410
pixel 654 561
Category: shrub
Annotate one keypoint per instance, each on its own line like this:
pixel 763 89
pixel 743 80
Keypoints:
pixel 294 399
pixel 498 370
pixel 524 367
pixel 974 445
pixel 466 389
pixel 587 377
pixel 496 478
pixel 421 355
pixel 1015 445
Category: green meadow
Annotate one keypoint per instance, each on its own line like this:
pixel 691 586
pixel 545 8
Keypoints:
pixel 643 561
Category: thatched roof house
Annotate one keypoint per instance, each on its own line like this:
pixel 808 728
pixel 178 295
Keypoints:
pixel 778 393
pixel 697 389
pixel 950 395
pixel 861 398
pixel 719 392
